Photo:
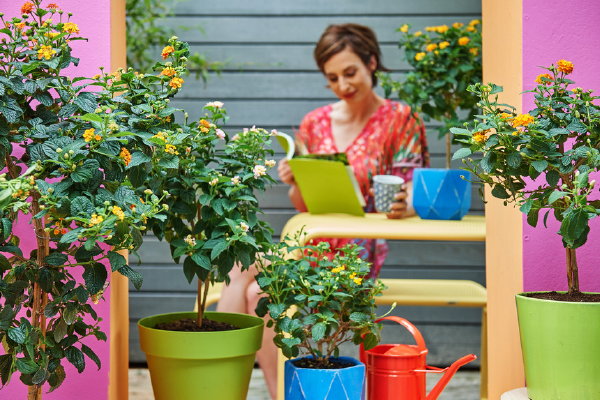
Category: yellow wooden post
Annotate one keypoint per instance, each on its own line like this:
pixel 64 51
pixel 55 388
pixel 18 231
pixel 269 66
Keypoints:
pixel 502 64
pixel 118 380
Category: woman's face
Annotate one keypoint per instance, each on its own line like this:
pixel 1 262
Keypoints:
pixel 348 77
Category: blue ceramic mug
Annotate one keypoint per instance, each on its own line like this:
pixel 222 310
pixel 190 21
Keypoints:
pixel 385 187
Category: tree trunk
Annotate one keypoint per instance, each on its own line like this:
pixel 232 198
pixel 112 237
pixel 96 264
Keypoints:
pixel 572 271
pixel 203 287
pixel 40 298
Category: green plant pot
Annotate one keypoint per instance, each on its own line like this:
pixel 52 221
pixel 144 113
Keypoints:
pixel 201 365
pixel 561 348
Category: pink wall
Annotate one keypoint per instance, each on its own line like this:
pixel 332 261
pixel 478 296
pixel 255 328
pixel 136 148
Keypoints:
pixel 93 19
pixel 553 30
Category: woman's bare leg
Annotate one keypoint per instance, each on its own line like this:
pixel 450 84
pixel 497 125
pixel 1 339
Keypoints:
pixel 267 355
pixel 233 296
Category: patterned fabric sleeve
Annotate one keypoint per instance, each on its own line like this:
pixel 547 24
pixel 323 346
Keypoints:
pixel 408 144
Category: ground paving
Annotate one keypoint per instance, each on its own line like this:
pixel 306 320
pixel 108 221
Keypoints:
pixel 464 386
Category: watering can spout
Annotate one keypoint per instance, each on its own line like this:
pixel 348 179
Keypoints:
pixel 450 371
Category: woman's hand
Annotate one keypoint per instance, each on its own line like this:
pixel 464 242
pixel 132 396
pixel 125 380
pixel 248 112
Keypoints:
pixel 285 172
pixel 399 208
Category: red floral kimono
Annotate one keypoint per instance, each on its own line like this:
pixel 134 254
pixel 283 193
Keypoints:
pixel 392 142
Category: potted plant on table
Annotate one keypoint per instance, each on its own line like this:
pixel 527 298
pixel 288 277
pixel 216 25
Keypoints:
pixel 444 60
pixel 315 304
pixel 212 226
pixel 65 164
pixel 543 162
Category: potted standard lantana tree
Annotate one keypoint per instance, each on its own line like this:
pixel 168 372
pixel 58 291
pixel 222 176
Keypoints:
pixel 544 162
pixel 316 303
pixel 212 226
pixel 67 205
pixel 444 60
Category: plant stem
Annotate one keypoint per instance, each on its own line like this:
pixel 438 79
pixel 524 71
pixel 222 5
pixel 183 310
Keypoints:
pixel 202 295
pixel 572 271
pixel 448 149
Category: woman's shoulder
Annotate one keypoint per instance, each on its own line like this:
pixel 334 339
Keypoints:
pixel 318 114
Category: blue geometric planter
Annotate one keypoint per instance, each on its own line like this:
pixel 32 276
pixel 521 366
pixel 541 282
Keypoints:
pixel 441 193
pixel 325 384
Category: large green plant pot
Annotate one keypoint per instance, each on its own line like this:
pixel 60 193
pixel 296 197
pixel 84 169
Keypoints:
pixel 201 365
pixel 561 348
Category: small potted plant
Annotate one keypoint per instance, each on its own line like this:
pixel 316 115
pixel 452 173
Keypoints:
pixel 542 161
pixel 444 60
pixel 210 180
pixel 315 304
pixel 65 158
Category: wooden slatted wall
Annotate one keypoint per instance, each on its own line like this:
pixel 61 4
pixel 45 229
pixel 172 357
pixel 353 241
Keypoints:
pixel 270 80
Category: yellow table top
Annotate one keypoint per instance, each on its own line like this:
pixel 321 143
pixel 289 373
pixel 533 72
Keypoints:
pixel 372 226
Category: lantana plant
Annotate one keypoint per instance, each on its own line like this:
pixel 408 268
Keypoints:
pixel 541 160
pixel 67 162
pixel 210 178
pixel 317 302
pixel 445 60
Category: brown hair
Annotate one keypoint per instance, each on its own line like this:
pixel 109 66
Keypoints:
pixel 359 38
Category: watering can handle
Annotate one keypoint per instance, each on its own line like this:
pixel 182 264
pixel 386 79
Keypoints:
pixel 409 327
pixel 405 323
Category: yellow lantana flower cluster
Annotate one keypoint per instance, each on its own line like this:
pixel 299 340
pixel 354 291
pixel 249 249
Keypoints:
pixel 169 148
pixel 176 83
pixel 522 120
pixel 70 27
pixel 96 219
pixel 116 210
pixel 339 269
pixel 46 52
pixel 564 66
pixel 125 155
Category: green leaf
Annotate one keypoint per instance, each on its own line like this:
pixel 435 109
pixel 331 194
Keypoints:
pixel 85 171
pixel 189 269
pixel 6 361
pixel 39 376
pixel 202 260
pixel 514 159
pixel 218 249
pixel 499 192
pixel 86 101
pixel 459 131
pixel 60 330
pixel 462 153
pixel 275 310
pixel 134 277
pixel 17 335
pixel 70 236
pixel 26 366
pixel 552 177
pixel 574 225
pixel 56 259
pixel 540 165
pixel 82 206
pixel 359 317
pixel 75 357
pixel 95 276
pixel 138 158
pixel 318 331
pixel 169 162
pixel 577 126
pixel 557 194
pixel 532 217
pixel 116 260
pixel 92 356
pixel 370 340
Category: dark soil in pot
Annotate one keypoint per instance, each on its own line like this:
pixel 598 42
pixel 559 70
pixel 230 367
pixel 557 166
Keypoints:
pixel 189 325
pixel 578 297
pixel 322 364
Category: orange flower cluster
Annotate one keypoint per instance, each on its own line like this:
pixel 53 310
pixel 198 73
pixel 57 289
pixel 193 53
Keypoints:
pixel 463 41
pixel 125 155
pixel 46 52
pixel 52 6
pixel 481 136
pixel 204 126
pixel 176 83
pixel 542 82
pixel 564 66
pixel 522 120
pixel 27 8
pixel 168 71
pixel 166 51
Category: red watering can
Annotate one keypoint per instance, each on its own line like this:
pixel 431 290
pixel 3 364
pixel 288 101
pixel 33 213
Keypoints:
pixel 397 371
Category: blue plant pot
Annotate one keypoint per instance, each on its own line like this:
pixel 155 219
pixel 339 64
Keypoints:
pixel 325 384
pixel 441 193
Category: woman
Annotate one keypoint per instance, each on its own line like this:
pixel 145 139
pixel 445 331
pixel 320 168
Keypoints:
pixel 379 137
